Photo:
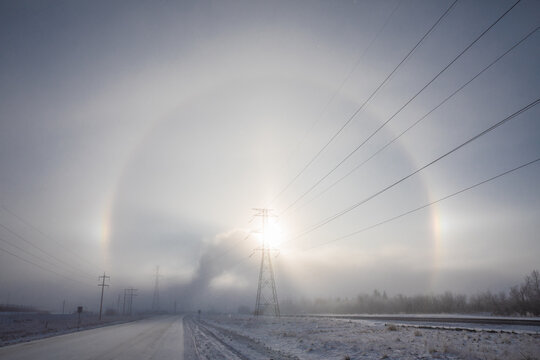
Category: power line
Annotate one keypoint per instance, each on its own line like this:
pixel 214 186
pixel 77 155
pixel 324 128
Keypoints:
pixel 243 259
pixel 46 261
pixel 127 308
pixel 364 103
pixel 419 120
pixel 36 229
pixel 37 265
pixel 426 205
pixel 27 252
pixel 344 81
pixel 400 109
pixel 41 250
pixel 455 59
pixel 354 206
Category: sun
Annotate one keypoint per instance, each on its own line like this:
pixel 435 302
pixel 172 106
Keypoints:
pixel 273 235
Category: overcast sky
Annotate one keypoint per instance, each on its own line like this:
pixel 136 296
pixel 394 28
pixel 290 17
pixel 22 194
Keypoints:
pixel 136 134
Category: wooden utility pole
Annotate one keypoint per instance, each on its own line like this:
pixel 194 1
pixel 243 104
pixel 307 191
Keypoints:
pixel 102 290
pixel 128 295
pixel 155 299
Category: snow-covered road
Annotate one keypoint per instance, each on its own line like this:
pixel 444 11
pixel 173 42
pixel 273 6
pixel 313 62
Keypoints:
pixel 243 337
pixel 155 338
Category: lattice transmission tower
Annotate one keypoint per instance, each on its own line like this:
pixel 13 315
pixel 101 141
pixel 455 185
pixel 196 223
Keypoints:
pixel 267 300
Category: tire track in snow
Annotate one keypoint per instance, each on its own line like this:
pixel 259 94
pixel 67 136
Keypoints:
pixel 239 346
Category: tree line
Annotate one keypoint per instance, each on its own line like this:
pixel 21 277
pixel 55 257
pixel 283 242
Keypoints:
pixel 522 299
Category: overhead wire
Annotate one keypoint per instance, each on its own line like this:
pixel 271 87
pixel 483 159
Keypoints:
pixel 425 205
pixel 357 111
pixel 43 234
pixel 341 162
pixel 409 212
pixel 420 119
pixel 48 262
pixel 37 265
pixel 65 264
pixel 406 104
pixel 242 260
pixel 347 77
pixel 455 149
pixel 470 140
pixel 332 98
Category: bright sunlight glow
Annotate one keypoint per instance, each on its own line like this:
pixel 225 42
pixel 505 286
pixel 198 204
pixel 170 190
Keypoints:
pixel 273 235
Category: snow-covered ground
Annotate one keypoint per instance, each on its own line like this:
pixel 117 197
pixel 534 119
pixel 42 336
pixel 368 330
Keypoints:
pixel 249 338
pixel 245 337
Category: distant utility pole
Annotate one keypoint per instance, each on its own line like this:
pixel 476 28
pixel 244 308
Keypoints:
pixel 267 300
pixel 103 278
pixel 155 299
pixel 124 305
pixel 128 295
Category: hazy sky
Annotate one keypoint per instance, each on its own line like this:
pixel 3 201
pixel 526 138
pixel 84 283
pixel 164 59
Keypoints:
pixel 136 134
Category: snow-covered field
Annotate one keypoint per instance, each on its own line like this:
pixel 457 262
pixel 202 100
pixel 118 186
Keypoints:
pixel 245 337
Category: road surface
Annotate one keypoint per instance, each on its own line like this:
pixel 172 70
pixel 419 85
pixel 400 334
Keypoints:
pixel 156 338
